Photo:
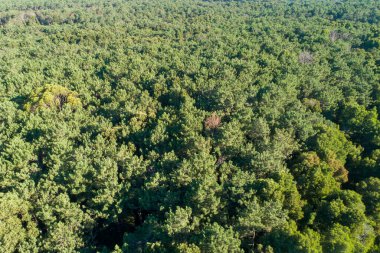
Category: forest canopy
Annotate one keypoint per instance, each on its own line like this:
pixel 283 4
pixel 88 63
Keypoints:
pixel 190 126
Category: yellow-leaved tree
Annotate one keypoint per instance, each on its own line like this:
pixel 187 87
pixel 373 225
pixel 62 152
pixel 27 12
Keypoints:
pixel 52 96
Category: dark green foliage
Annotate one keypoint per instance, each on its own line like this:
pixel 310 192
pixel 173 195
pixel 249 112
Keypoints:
pixel 189 126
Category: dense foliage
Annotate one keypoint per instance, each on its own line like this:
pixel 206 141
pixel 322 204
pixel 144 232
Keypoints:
pixel 189 126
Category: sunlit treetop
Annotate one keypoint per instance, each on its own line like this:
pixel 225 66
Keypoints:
pixel 52 96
